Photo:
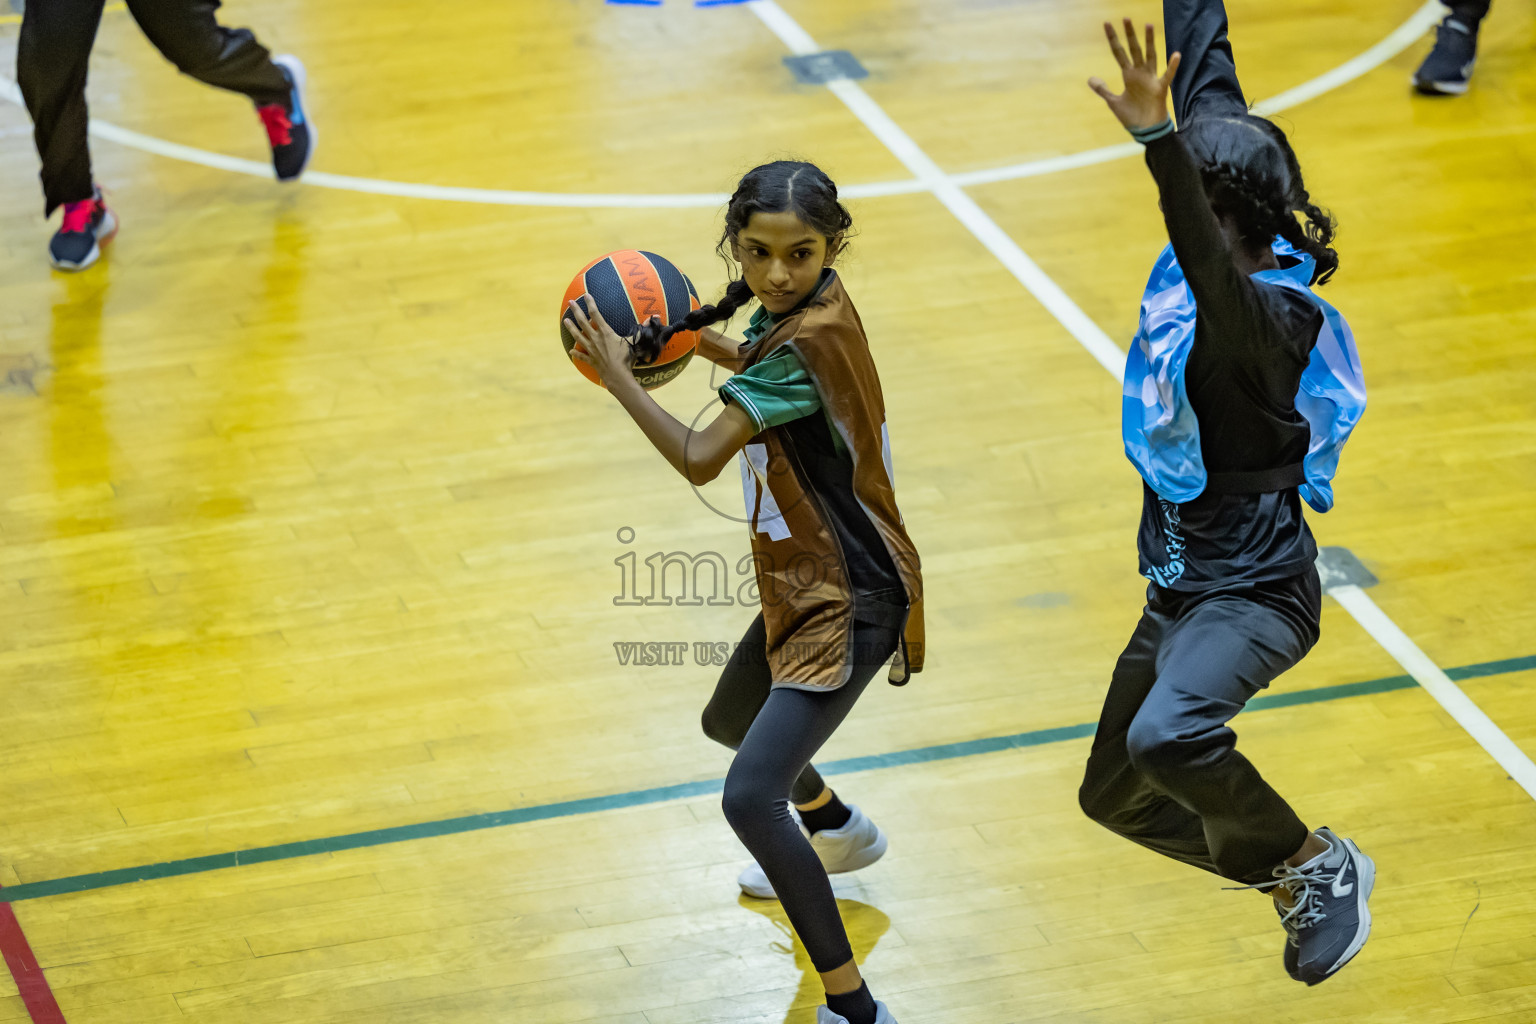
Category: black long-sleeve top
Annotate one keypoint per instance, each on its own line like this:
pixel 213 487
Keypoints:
pixel 1252 341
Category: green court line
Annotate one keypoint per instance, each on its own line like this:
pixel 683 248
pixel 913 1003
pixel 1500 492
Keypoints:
pixel 641 797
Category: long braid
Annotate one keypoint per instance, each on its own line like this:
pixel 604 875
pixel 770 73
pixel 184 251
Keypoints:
pixel 1260 212
pixel 653 335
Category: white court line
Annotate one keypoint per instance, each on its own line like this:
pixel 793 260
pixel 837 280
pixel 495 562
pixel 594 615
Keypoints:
pixel 1400 39
pixel 1403 37
pixel 1050 165
pixel 1354 600
pixel 407 189
pixel 1451 697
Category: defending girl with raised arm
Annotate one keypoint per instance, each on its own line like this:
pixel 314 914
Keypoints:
pixel 1240 390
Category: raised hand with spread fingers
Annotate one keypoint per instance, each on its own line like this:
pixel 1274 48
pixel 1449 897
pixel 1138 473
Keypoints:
pixel 1144 103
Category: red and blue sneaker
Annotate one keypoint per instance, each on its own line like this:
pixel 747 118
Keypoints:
pixel 288 126
pixel 88 225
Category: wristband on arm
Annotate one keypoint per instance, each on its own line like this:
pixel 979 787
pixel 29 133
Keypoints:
pixel 1152 134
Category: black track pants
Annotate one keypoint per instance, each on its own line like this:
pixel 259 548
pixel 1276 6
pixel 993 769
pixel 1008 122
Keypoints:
pixel 1165 771
pixel 53 54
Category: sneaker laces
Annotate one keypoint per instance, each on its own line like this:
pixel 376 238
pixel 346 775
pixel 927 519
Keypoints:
pixel 278 124
pixel 1305 885
pixel 78 215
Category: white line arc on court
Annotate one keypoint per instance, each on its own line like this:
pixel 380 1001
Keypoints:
pixel 1400 39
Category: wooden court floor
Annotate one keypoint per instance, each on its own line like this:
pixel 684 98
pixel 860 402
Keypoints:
pixel 308 530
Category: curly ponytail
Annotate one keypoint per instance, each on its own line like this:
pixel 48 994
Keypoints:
pixel 1251 174
pixel 782 186
pixel 1315 237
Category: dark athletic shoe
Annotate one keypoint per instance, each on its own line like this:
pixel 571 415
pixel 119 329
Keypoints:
pixel 88 225
pixel 1292 951
pixel 1331 918
pixel 1448 68
pixel 289 130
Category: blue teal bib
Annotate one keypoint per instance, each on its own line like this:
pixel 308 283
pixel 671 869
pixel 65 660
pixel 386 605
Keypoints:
pixel 1161 434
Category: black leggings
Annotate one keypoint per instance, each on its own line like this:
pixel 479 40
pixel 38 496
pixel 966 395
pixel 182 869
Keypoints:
pixel 54 51
pixel 775 732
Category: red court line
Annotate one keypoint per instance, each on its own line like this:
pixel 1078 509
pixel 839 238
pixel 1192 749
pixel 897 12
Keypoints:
pixel 35 993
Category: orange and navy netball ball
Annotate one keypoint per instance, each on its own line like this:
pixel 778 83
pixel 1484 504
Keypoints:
pixel 630 287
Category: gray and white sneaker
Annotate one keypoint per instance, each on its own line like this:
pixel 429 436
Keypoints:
pixel 1292 953
pixel 858 844
pixel 1331 917
pixel 826 1016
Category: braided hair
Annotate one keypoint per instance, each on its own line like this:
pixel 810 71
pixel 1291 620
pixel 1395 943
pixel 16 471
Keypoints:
pixel 784 186
pixel 1251 174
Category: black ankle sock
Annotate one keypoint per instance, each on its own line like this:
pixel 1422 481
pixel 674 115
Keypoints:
pixel 858 1006
pixel 832 814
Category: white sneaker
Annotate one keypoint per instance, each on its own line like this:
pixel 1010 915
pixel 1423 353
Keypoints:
pixel 858 844
pixel 826 1016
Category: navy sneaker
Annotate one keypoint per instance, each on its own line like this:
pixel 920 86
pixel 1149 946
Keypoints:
pixel 1448 68
pixel 289 130
pixel 1292 951
pixel 88 225
pixel 1330 918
